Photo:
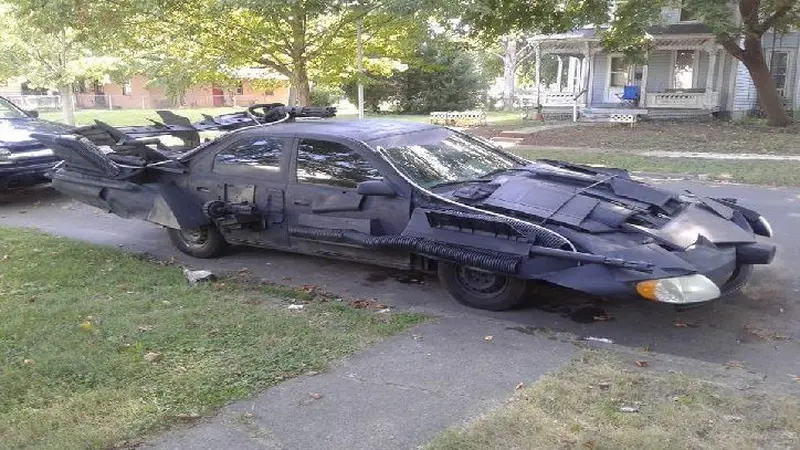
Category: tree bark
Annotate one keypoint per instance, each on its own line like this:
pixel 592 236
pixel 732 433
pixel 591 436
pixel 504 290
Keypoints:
pixel 509 74
pixel 753 59
pixel 67 105
pixel 301 84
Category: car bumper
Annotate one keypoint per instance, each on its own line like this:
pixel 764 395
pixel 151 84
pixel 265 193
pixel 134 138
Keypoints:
pixel 26 173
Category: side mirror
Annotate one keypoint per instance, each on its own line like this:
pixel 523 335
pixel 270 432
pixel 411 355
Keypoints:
pixel 375 187
pixel 32 113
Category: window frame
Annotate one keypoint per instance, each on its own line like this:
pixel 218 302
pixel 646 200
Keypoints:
pixel 253 172
pixel 786 91
pixel 376 162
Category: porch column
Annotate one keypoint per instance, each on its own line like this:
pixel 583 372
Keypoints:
pixel 591 74
pixel 584 73
pixel 537 55
pixel 560 69
pixel 571 74
pixel 712 63
pixel 643 86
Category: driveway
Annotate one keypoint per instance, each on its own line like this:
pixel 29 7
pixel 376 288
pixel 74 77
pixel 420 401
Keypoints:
pixel 757 329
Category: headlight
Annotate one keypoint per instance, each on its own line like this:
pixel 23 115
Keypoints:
pixel 5 156
pixel 679 290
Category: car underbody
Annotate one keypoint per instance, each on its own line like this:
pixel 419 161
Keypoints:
pixel 591 229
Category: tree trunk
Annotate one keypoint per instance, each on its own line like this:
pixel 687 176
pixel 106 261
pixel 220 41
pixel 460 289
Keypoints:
pixel 301 84
pixel 753 58
pixel 67 105
pixel 509 74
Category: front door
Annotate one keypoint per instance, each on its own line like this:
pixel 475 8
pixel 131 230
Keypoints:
pixel 323 196
pixel 620 74
pixel 248 176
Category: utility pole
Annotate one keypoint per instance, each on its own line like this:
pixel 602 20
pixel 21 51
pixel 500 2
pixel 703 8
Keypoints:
pixel 360 58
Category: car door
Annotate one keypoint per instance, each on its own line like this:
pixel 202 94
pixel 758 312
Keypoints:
pixel 248 174
pixel 323 195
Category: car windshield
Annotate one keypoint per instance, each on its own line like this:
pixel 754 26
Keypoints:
pixel 442 156
pixel 9 111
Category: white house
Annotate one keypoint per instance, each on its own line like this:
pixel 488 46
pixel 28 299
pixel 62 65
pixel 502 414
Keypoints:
pixel 687 72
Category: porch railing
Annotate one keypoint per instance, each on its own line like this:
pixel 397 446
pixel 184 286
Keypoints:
pixel 689 100
pixel 550 98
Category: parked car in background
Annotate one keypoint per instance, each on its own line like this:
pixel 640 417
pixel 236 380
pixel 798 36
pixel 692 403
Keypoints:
pixel 24 160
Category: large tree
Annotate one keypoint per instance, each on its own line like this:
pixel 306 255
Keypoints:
pixel 300 39
pixel 47 55
pixel 738 25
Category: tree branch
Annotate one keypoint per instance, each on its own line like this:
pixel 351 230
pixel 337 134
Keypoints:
pixel 749 11
pixel 731 46
pixel 782 8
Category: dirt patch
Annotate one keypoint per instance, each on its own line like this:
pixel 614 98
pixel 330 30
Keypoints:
pixel 723 137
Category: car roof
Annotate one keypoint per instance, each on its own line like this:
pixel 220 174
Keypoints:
pixel 362 130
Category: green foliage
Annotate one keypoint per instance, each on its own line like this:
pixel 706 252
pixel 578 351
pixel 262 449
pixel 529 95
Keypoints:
pixel 441 76
pixel 326 95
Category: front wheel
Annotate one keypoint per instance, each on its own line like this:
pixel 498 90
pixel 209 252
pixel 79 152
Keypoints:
pixel 480 289
pixel 203 242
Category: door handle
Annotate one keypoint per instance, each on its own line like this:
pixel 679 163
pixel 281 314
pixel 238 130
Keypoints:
pixel 202 189
pixel 302 202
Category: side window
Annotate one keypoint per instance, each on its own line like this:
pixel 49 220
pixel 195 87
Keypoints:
pixel 332 164
pixel 262 153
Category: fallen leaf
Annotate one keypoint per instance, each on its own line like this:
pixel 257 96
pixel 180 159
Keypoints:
pixel 519 386
pixel 144 328
pixel 87 326
pixel 29 362
pixel 629 409
pixel 735 363
pixel 642 363
pixel 604 385
pixel 316 396
pixel 488 338
pixel 153 357
pixel 680 324
pixel 589 445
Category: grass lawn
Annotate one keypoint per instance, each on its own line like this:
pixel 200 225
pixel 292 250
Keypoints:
pixel 580 408
pixel 122 117
pixel 767 173
pixel 99 346
pixel 717 136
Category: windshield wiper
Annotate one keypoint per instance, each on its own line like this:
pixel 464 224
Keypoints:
pixel 482 179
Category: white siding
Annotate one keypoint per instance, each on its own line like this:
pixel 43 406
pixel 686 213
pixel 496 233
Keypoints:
pixel 658 70
pixel 744 99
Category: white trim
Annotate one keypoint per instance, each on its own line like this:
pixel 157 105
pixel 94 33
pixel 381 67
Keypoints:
pixel 720 67
pixel 790 72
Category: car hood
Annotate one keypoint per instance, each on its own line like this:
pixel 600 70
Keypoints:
pixel 602 201
pixel 17 132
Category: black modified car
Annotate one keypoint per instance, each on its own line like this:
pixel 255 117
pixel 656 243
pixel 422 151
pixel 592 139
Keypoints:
pixel 414 196
pixel 24 160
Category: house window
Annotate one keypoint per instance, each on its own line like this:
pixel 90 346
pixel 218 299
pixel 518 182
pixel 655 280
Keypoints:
pixel 779 68
pixel 683 69
pixel 127 89
pixel 620 73
pixel 240 88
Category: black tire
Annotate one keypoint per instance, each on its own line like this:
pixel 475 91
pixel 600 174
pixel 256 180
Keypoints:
pixel 738 280
pixel 203 242
pixel 480 289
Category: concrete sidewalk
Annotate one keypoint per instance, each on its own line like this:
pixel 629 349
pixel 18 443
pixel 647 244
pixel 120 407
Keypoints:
pixel 396 395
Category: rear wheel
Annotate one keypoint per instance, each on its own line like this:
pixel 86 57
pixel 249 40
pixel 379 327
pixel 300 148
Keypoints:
pixel 203 242
pixel 481 289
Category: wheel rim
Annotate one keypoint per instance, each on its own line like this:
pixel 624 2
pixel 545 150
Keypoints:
pixel 195 238
pixel 480 283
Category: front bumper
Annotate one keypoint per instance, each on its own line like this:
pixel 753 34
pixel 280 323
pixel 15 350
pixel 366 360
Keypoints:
pixel 25 173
